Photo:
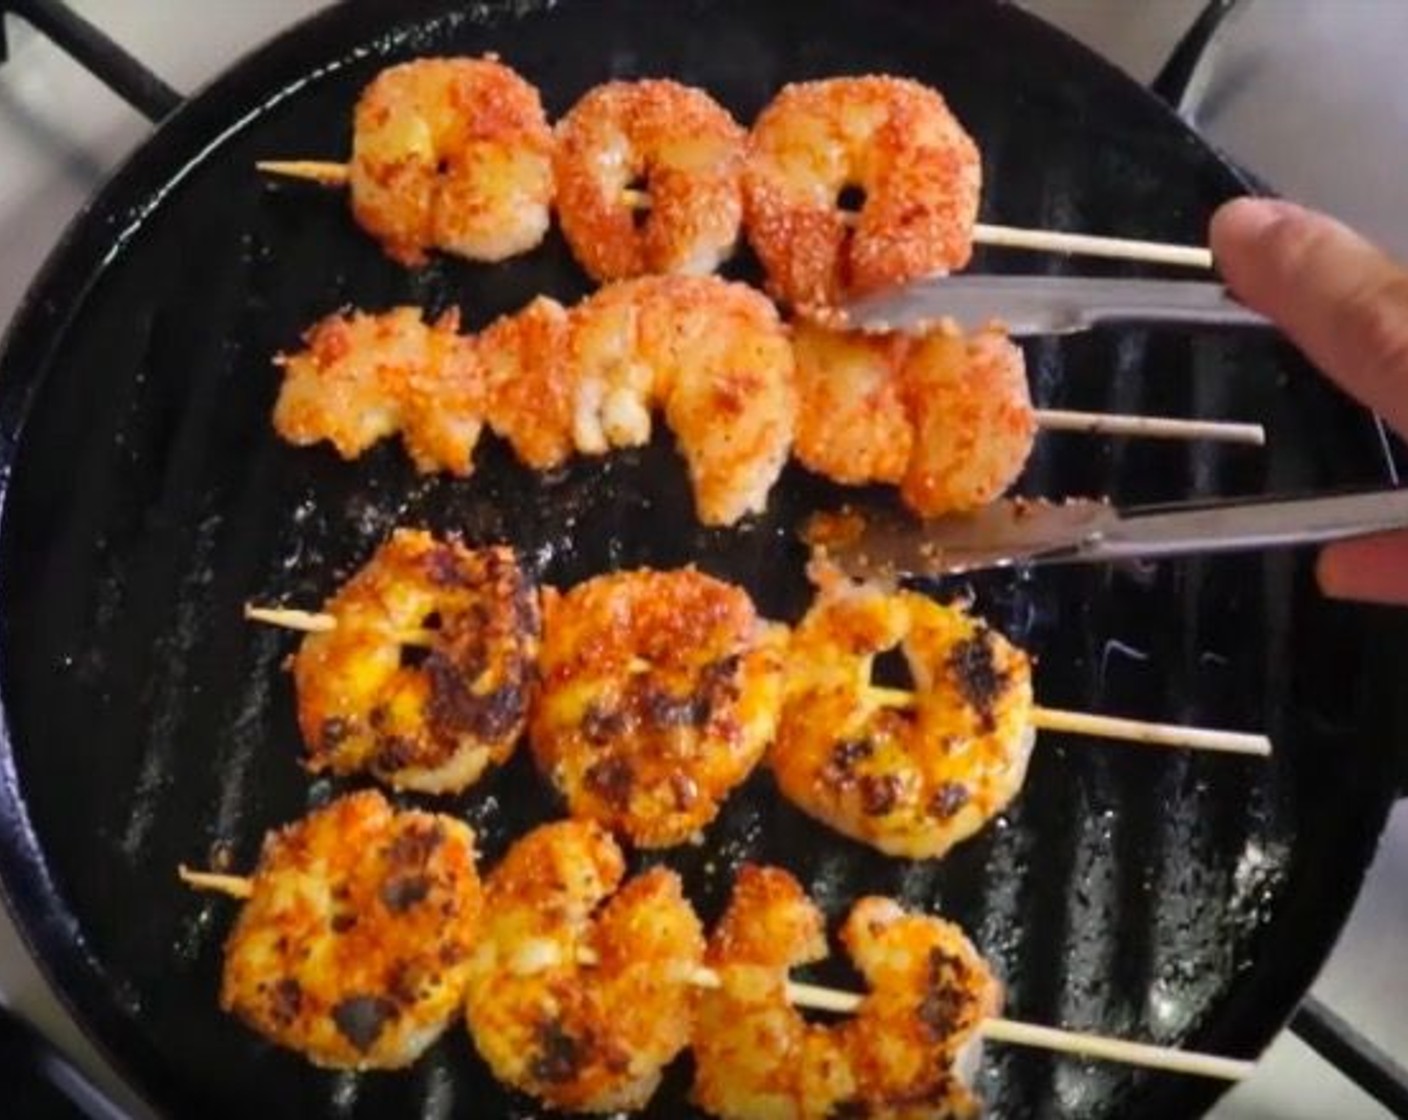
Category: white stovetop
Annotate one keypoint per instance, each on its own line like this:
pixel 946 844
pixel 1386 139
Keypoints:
pixel 1307 92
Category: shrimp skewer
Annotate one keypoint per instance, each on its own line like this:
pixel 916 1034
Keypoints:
pixel 456 155
pixel 946 418
pixel 353 944
pixel 646 942
pixel 658 692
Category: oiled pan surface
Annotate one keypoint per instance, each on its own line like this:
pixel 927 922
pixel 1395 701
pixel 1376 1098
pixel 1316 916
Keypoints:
pixel 1149 894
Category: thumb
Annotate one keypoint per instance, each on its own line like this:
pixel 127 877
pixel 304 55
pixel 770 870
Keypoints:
pixel 1341 300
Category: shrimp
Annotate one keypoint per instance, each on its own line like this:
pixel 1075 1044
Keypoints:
pixel 659 692
pixel 974 425
pixel 715 356
pixel 579 992
pixel 947 417
pixel 362 378
pixel 354 945
pixel 452 154
pixel 894 140
pixel 903 1055
pixel 523 358
pixel 671 143
pixel 852 423
pixel 909 779
pixel 426 678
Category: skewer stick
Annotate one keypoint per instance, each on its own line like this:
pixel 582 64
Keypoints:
pixel 817 998
pixel 236 886
pixel 306 621
pixel 316 622
pixel 1121 1050
pixel 1043 719
pixel 1150 734
pixel 1085 1044
pixel 322 172
pixel 1115 727
pixel 329 174
pixel 1148 427
pixel 1090 245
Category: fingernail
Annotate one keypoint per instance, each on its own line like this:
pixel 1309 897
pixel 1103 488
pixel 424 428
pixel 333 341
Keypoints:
pixel 1252 217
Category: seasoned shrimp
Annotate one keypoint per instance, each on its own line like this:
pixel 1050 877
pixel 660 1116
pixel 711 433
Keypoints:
pixel 909 779
pixel 579 993
pixel 354 945
pixel 946 416
pixel 894 140
pixel 425 679
pixel 973 420
pixel 715 356
pixel 658 693
pixel 901 1057
pixel 452 154
pixel 364 377
pixel 852 423
pixel 523 358
pixel 670 143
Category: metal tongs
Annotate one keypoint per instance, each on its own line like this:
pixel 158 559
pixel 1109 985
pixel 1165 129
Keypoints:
pixel 1017 531
pixel 1028 305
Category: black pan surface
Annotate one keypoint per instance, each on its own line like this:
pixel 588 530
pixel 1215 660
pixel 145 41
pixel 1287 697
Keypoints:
pixel 1147 894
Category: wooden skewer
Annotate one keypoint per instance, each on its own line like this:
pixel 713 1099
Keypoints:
pixel 1115 727
pixel 1045 1038
pixel 322 172
pixel 1151 734
pixel 329 174
pixel 817 998
pixel 311 622
pixel 1043 719
pixel 236 886
pixel 1148 427
pixel 1090 245
pixel 306 621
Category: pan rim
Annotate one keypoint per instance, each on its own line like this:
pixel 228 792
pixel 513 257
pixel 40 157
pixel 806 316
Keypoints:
pixel 94 238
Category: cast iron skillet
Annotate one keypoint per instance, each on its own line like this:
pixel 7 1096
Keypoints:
pixel 1153 895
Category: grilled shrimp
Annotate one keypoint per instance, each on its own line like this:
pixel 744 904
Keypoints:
pixel 452 154
pixel 715 356
pixel 894 140
pixel 425 679
pixel 947 417
pixel 658 693
pixel 901 1056
pixel 670 143
pixel 364 377
pixel 354 945
pixel 523 358
pixel 973 420
pixel 852 423
pixel 579 993
pixel 910 779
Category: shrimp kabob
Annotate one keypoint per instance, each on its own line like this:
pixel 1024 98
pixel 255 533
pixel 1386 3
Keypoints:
pixel 946 417
pixel 649 696
pixel 651 176
pixel 365 930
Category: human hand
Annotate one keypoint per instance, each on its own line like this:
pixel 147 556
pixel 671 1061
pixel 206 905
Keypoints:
pixel 1345 304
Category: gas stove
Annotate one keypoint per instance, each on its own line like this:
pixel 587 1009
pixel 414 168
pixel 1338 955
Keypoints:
pixel 1305 94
